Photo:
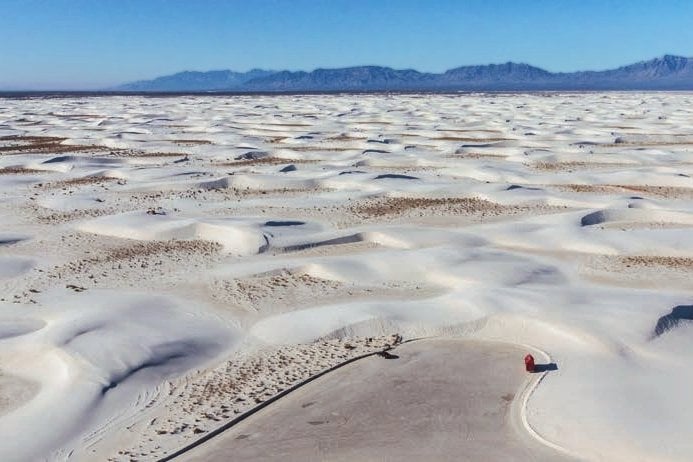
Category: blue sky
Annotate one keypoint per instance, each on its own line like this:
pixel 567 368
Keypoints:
pixel 71 44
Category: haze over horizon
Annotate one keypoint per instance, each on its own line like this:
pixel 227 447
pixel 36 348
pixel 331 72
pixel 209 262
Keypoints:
pixel 81 45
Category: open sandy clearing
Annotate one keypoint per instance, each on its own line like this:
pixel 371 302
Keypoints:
pixel 432 400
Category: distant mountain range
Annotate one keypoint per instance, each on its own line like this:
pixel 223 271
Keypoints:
pixel 196 81
pixel 665 73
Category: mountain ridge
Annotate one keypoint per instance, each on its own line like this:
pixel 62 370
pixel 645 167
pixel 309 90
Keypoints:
pixel 668 72
pixel 196 80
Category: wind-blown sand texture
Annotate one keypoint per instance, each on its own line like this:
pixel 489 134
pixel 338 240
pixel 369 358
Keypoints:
pixel 168 263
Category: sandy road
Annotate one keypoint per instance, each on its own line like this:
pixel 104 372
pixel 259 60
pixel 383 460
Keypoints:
pixel 438 400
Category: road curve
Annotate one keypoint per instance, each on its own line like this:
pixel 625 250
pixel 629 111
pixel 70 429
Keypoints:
pixel 438 400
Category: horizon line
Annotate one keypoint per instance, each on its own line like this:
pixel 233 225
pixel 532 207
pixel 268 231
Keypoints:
pixel 110 88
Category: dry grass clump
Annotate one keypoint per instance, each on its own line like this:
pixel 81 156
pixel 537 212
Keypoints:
pixel 555 166
pixel 663 191
pixel 191 142
pixel 473 130
pixel 18 171
pixel 80 181
pixel 31 139
pixel 261 290
pixel 652 143
pixel 574 165
pixel 85 180
pixel 452 205
pixel 77 214
pixel 260 161
pixel 657 260
pixel 16 144
pixel 264 161
pixel 587 188
pixel 476 155
pixel 125 265
pixel 253 288
pixel 144 154
pixel 471 139
pixel 138 254
pixel 318 148
pixel 670 192
pixel 145 249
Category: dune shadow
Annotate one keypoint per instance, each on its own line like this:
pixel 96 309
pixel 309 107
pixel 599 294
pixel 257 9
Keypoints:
pixel 275 223
pixel 594 218
pixel 545 367
pixel 672 320
pixel 395 176
pixel 513 187
pixel 351 239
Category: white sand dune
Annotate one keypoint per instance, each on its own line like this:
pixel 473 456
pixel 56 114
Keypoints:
pixel 97 359
pixel 239 236
pixel 168 263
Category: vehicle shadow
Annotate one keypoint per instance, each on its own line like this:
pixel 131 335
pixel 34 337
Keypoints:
pixel 387 355
pixel 545 367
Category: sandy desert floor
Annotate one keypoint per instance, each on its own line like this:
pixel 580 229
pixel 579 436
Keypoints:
pixel 166 264
pixel 373 411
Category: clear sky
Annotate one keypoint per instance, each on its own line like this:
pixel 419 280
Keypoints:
pixel 72 44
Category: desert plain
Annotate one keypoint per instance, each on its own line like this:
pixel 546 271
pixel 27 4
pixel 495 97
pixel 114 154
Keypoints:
pixel 168 264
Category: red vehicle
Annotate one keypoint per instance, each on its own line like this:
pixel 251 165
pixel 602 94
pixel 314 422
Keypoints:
pixel 529 363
